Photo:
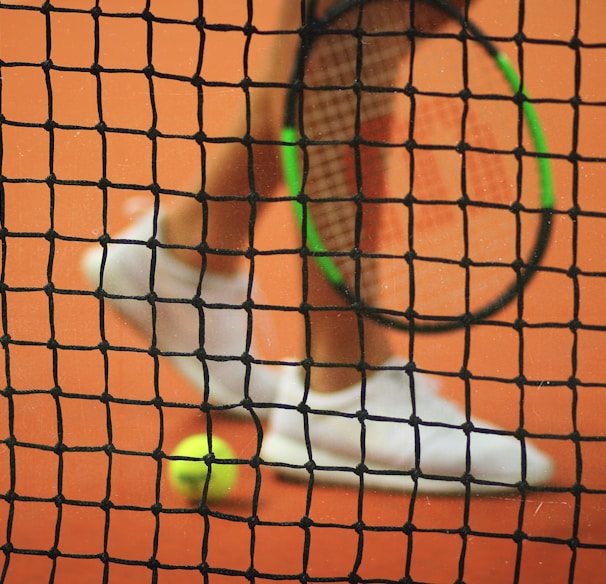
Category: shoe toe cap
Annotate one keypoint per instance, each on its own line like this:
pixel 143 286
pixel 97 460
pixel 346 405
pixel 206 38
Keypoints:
pixel 506 460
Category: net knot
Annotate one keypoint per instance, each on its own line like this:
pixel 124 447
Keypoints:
pixel 465 94
pixel 50 125
pixel 106 504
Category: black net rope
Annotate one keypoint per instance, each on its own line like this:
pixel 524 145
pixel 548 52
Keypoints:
pixel 42 299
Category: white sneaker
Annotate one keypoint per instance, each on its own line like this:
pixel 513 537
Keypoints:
pixel 330 430
pixel 220 327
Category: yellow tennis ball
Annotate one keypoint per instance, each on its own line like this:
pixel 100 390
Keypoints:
pixel 191 467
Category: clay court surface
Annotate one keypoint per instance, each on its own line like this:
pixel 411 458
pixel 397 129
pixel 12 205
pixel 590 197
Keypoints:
pixel 82 496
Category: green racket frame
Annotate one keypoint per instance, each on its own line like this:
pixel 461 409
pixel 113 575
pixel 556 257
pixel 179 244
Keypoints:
pixel 291 147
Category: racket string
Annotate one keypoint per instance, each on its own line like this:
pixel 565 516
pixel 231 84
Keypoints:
pixel 361 167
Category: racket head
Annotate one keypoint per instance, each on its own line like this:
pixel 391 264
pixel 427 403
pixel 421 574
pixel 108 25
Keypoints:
pixel 417 164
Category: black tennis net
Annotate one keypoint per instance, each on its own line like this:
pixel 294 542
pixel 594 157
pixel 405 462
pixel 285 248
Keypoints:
pixel 115 115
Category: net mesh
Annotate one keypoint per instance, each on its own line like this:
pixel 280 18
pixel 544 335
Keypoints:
pixel 106 109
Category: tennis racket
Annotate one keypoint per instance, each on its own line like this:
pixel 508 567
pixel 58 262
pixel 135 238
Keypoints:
pixel 416 162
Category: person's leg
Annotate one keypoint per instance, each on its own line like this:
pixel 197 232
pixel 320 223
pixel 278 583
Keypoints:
pixel 186 301
pixel 338 340
pixel 234 170
pixel 226 222
pixel 352 403
pixel 231 174
pixel 363 400
pixel 354 411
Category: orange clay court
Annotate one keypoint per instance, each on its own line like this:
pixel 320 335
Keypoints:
pixel 84 495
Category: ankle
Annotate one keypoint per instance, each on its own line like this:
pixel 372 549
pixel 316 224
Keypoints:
pixel 185 252
pixel 333 379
